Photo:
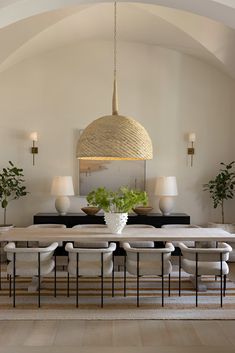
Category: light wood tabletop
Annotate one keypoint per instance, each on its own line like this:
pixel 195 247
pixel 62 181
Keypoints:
pixel 129 234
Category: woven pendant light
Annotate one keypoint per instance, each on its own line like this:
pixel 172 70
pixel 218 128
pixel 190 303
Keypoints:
pixel 115 137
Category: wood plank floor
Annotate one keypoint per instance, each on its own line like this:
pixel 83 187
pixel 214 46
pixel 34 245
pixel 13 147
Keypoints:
pixel 119 336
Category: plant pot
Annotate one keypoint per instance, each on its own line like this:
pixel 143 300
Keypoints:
pixel 142 210
pixel 115 221
pixel 90 210
pixel 228 227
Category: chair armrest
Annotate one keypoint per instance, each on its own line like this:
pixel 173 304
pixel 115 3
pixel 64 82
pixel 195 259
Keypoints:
pixel 10 247
pixel 69 247
pixel 223 248
pixel 168 248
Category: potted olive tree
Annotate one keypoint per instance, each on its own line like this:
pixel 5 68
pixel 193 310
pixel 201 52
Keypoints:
pixel 11 188
pixel 116 205
pixel 221 189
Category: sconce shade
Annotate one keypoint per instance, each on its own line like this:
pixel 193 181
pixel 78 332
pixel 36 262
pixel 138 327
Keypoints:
pixel 115 137
pixel 33 136
pixel 62 186
pixel 192 137
pixel 166 186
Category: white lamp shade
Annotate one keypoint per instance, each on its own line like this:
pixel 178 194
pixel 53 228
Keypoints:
pixel 166 186
pixel 192 137
pixel 62 186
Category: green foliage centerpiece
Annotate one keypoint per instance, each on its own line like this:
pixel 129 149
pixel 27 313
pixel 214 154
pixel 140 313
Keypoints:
pixel 116 204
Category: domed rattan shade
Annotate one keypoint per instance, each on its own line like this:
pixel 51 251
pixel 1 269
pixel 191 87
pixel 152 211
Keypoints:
pixel 115 137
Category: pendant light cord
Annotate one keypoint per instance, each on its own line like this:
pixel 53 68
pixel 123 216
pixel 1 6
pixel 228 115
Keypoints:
pixel 115 42
pixel 115 99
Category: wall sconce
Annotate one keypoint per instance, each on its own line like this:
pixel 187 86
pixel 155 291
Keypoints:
pixel 34 149
pixel 191 150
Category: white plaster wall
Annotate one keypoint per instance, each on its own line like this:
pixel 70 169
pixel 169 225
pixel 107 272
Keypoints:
pixel 62 91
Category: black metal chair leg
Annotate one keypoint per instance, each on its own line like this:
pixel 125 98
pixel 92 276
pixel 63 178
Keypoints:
pixel 162 279
pixel 68 277
pixel 9 286
pixel 67 284
pixel 113 277
pixel 138 279
pixel 225 284
pixel 196 279
pixel 180 274
pixel 102 280
pixel 125 275
pixel 77 275
pixel 221 281
pixel 169 285
pixel 14 280
pixel 39 280
pixel 55 277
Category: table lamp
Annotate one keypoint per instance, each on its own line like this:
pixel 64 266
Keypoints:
pixel 62 187
pixel 166 188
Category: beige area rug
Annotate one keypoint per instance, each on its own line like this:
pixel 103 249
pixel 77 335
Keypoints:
pixel 119 307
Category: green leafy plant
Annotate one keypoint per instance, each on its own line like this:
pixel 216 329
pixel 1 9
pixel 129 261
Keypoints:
pixel 222 187
pixel 122 200
pixel 11 186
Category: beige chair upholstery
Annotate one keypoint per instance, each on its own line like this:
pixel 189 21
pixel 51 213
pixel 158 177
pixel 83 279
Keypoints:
pixel 205 261
pixel 88 243
pixel 148 261
pixel 90 262
pixel 140 244
pixel 29 262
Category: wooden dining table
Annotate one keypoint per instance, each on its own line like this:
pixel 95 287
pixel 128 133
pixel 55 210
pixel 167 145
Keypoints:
pixel 128 234
pixel 103 234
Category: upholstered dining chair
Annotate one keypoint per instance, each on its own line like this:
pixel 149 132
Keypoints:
pixel 29 262
pixel 88 243
pixel 90 262
pixel 140 244
pixel 206 261
pixel 148 261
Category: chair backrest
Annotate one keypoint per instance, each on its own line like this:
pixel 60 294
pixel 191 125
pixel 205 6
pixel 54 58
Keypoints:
pixel 180 226
pixel 45 225
pixel 148 254
pixel 88 255
pixel 29 254
pixel 206 254
pixel 139 226
pixel 90 226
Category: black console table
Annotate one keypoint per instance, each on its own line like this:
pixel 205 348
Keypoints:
pixel 72 219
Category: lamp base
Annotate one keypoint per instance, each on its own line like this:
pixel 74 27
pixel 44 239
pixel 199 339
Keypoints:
pixel 166 204
pixel 62 204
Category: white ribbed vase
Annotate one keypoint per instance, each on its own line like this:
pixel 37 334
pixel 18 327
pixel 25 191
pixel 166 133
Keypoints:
pixel 115 221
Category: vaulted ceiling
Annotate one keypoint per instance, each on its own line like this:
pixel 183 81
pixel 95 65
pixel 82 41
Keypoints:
pixel 36 30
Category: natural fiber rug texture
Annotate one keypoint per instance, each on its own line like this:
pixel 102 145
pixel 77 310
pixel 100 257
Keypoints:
pixel 117 307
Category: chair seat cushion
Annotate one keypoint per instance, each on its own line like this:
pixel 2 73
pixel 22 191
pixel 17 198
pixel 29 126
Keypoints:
pixel 29 269
pixel 90 268
pixel 142 244
pixel 149 267
pixel 204 268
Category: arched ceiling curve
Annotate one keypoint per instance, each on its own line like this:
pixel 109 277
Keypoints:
pixel 155 25
pixel 219 10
